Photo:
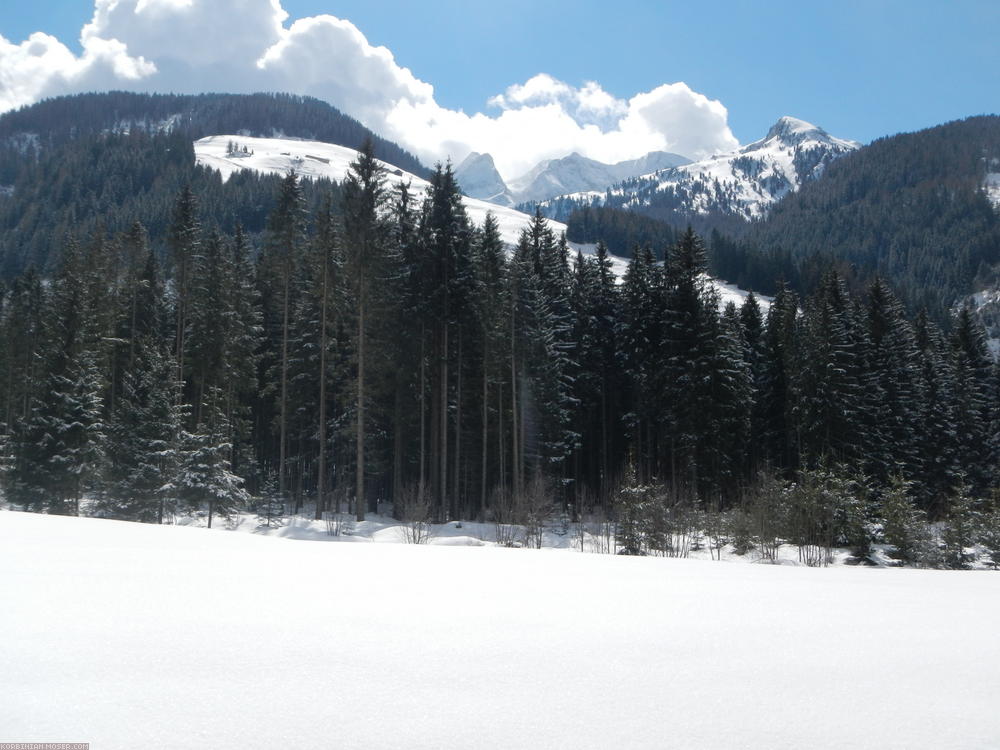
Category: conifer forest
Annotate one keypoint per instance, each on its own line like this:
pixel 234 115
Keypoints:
pixel 378 353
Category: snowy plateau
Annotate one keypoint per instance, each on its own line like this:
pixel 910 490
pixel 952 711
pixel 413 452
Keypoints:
pixel 318 160
pixel 745 182
pixel 127 635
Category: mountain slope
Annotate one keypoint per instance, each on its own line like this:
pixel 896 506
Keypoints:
pixel 742 184
pixel 914 208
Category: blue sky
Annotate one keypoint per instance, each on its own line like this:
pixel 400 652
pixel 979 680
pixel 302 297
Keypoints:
pixel 859 69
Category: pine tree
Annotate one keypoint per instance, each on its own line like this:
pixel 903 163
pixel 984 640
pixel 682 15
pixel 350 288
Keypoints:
pixel 244 335
pixel 690 325
pixel 21 332
pixel 202 477
pixel 184 241
pixel 752 331
pixel 207 322
pixel 58 446
pixel 639 331
pixel 828 389
pixel 728 429
pixel 490 268
pixel 973 372
pixel 141 445
pixel 286 235
pixel 780 441
pixel 891 364
pixel 937 438
pixel 364 239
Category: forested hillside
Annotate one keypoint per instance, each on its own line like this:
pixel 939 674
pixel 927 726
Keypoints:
pixel 55 121
pixel 111 181
pixel 912 208
pixel 622 231
pixel 75 163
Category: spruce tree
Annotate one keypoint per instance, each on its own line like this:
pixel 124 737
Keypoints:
pixel 364 240
pixel 141 445
pixel 286 236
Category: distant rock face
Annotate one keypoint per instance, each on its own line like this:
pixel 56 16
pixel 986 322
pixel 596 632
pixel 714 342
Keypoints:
pixel 743 183
pixel 478 177
pixel 577 173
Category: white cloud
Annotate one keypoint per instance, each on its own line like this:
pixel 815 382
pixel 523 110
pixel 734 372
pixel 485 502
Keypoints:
pixel 245 45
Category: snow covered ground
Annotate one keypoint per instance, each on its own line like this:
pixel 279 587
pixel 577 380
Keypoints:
pixel 127 635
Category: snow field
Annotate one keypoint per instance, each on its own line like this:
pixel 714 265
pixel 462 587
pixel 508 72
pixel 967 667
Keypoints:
pixel 315 159
pixel 126 635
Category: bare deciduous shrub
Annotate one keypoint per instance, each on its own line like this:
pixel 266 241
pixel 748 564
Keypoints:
pixel 415 510
pixel 338 521
pixel 504 518
pixel 767 515
pixel 536 511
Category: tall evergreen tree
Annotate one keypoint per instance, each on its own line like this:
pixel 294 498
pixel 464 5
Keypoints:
pixel 364 240
pixel 286 236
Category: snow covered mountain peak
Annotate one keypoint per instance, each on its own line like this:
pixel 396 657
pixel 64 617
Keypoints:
pixel 791 131
pixel 788 126
pixel 745 182
pixel 478 177
pixel 578 173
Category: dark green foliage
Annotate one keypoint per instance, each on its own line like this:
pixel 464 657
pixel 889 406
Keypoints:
pixel 142 439
pixel 620 230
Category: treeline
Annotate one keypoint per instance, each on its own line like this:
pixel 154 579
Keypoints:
pixel 382 349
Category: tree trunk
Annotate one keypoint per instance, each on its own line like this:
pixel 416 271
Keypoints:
pixel 284 388
pixel 515 457
pixel 397 441
pixel 422 487
pixel 501 454
pixel 443 422
pixel 482 493
pixel 360 447
pixel 321 458
pixel 456 495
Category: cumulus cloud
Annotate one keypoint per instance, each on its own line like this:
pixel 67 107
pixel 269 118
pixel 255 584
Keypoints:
pixel 246 45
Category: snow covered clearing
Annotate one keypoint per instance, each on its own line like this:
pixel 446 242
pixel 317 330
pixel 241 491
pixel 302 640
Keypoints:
pixel 315 159
pixel 992 185
pixel 126 635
